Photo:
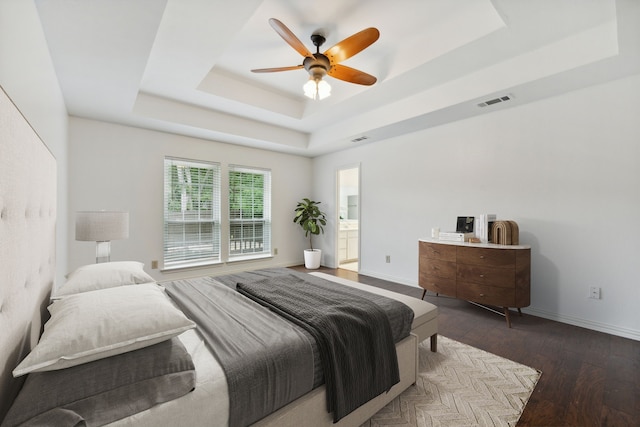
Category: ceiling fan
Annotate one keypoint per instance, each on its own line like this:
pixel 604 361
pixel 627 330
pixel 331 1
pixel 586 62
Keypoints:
pixel 327 63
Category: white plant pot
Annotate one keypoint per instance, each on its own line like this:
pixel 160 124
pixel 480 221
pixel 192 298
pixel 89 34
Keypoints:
pixel 312 258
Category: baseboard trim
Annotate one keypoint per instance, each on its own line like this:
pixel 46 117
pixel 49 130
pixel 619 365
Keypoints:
pixel 389 278
pixel 570 320
pixel 588 324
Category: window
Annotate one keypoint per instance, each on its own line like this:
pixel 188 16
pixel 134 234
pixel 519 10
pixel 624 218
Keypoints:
pixel 191 213
pixel 249 212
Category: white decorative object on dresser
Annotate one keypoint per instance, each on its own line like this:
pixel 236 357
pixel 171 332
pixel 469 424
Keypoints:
pixel 485 273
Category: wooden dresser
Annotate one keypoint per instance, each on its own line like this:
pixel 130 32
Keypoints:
pixel 486 274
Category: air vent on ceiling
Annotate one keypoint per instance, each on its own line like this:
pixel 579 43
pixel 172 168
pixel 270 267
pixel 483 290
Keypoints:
pixel 496 100
pixel 360 138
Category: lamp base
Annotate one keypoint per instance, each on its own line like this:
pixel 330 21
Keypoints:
pixel 103 252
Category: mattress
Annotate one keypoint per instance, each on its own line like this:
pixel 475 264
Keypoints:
pixel 208 404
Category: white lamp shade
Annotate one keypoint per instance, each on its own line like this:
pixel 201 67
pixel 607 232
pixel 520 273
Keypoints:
pixel 102 226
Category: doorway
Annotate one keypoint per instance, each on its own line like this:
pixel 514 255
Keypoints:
pixel 349 218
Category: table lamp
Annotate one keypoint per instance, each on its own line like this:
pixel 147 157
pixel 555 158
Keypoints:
pixel 102 227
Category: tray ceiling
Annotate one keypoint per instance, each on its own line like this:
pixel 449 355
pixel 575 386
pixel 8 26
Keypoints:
pixel 183 66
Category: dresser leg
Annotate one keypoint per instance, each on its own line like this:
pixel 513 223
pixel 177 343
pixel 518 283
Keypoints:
pixel 506 316
pixel 423 294
pixel 519 312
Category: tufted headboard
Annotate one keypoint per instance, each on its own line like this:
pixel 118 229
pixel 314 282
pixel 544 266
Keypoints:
pixel 27 241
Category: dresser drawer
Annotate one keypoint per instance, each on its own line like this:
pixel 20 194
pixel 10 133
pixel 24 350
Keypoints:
pixel 486 256
pixel 438 251
pixel 437 268
pixel 491 295
pixel 438 285
pixel 493 276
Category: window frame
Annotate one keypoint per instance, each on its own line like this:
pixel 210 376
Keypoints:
pixel 206 258
pixel 266 234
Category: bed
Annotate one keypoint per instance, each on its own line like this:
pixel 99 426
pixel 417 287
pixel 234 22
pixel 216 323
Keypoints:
pixel 198 391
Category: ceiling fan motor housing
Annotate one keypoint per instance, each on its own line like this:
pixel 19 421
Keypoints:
pixel 318 66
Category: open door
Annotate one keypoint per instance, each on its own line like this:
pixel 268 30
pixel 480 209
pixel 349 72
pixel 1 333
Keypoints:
pixel 349 218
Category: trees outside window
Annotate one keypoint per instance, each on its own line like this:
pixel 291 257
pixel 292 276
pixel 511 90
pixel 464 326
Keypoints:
pixel 191 213
pixel 193 223
pixel 249 211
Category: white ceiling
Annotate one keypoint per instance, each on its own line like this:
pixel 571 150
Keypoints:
pixel 183 66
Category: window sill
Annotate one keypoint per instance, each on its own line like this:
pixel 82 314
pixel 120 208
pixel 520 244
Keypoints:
pixel 194 266
pixel 190 266
pixel 241 258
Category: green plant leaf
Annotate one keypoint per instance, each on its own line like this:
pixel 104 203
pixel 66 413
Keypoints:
pixel 310 218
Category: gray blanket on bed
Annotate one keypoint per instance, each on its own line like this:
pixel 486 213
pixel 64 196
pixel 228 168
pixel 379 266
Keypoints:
pixel 399 315
pixel 353 334
pixel 251 407
pixel 268 361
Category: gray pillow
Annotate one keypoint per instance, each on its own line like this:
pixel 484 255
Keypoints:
pixel 105 390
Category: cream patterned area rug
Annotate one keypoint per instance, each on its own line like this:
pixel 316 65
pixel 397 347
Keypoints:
pixel 461 385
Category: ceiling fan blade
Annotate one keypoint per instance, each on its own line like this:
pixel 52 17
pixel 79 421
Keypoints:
pixel 351 75
pixel 352 45
pixel 272 70
pixel 290 38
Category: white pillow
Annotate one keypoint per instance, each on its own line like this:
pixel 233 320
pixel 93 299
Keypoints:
pixel 98 324
pixel 104 275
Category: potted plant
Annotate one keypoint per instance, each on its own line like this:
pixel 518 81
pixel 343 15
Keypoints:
pixel 312 220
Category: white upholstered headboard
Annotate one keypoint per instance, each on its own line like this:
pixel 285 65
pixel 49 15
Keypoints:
pixel 27 241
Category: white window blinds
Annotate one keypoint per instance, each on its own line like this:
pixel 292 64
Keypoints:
pixel 249 212
pixel 191 213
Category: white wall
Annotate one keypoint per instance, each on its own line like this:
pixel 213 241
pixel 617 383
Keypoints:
pixel 567 169
pixel 28 77
pixel 115 167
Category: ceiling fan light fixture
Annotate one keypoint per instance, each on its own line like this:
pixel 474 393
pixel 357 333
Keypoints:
pixel 316 88
pixel 319 65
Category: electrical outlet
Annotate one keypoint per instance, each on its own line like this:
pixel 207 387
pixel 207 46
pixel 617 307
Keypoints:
pixel 388 259
pixel 275 251
pixel 594 292
pixel 154 265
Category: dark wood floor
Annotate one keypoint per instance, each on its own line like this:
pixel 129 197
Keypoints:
pixel 588 378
